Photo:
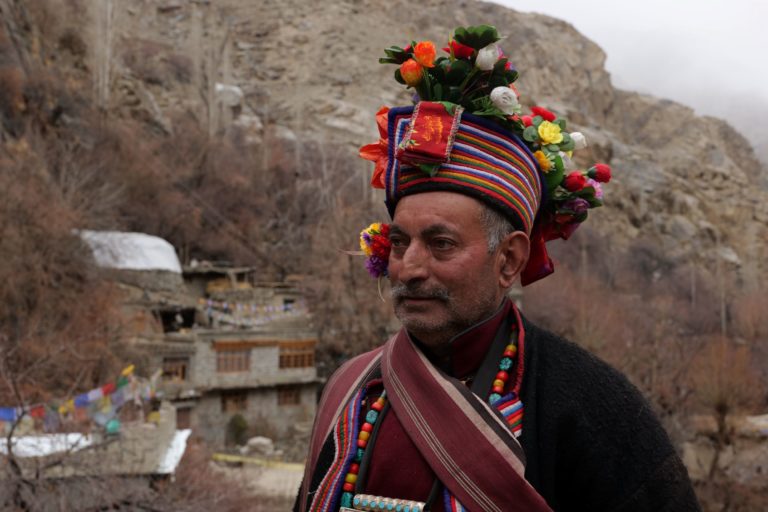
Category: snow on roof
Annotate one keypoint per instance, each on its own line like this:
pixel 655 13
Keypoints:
pixel 50 444
pixel 47 444
pixel 175 451
pixel 131 251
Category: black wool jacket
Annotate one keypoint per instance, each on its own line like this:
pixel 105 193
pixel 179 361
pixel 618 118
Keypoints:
pixel 590 439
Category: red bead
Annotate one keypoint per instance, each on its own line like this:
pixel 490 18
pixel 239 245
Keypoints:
pixel 367 427
pixel 502 375
pixel 361 443
pixel 509 353
pixel 376 406
pixel 498 389
pixel 354 468
pixel 348 487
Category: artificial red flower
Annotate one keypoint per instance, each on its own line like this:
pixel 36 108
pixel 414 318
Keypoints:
pixel 527 121
pixel 460 51
pixel 378 151
pixel 411 71
pixel 601 173
pixel 575 181
pixel 425 53
pixel 544 113
pixel 380 246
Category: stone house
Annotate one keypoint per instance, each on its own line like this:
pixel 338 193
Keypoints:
pixel 227 344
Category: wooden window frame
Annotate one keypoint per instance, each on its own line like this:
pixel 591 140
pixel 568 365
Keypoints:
pixel 172 365
pixel 234 401
pixel 233 360
pixel 288 395
pixel 297 354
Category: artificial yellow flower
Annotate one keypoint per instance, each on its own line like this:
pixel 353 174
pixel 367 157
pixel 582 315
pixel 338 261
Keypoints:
pixel 550 133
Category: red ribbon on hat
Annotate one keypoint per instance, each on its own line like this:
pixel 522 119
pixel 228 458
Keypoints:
pixel 539 264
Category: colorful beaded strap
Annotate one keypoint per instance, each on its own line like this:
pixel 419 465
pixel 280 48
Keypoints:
pixel 371 503
pixel 362 442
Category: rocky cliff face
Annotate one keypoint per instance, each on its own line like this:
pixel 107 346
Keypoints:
pixel 288 70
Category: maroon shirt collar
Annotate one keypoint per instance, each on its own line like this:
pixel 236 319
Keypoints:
pixel 465 352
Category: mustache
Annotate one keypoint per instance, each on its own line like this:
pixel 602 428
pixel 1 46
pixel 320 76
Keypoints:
pixel 404 290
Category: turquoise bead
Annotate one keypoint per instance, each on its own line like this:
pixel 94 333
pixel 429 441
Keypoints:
pixel 357 501
pixel 390 507
pixel 366 502
pixel 346 500
pixel 505 364
pixel 359 455
pixel 494 398
pixel 374 504
pixel 371 416
pixel 416 508
pixel 399 508
pixel 407 508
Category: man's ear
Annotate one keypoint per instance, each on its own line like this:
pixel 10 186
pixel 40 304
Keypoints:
pixel 513 256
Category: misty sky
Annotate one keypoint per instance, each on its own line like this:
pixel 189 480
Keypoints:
pixel 708 54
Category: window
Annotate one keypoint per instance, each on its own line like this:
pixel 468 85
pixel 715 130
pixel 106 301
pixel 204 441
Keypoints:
pixel 297 354
pixel 289 395
pixel 175 320
pixel 183 417
pixel 175 369
pixel 288 304
pixel 234 401
pixel 229 361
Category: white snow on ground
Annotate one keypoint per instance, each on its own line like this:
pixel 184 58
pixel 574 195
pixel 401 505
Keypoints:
pixel 48 444
pixel 175 451
pixel 131 251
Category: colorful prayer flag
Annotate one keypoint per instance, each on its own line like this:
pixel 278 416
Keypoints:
pixel 8 414
pixel 81 401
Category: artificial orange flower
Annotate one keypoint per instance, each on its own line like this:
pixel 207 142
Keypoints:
pixel 425 53
pixel 411 71
pixel 378 151
pixel 544 162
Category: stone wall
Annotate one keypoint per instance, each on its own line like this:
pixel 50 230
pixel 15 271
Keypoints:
pixel 263 413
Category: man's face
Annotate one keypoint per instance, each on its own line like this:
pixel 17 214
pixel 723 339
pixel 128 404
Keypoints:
pixel 443 279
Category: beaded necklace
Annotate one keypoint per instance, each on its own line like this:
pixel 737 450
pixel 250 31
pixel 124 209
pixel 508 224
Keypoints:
pixel 508 405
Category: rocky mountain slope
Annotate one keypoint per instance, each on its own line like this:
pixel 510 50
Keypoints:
pixel 283 71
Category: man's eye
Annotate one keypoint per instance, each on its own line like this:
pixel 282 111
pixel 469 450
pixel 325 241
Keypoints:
pixel 442 244
pixel 397 242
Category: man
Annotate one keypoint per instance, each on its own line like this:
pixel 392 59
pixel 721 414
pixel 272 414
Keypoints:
pixel 470 406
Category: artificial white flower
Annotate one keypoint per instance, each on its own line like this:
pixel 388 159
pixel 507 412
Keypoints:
pixel 579 141
pixel 567 162
pixel 487 57
pixel 505 100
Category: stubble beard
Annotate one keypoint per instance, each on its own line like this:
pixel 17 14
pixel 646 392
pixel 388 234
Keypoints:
pixel 439 331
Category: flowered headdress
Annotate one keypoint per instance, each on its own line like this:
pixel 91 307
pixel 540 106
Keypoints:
pixel 467 133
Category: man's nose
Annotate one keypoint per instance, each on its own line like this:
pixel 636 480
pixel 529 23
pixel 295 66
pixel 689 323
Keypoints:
pixel 414 263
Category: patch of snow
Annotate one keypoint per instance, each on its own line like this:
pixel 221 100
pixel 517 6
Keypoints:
pixel 43 445
pixel 131 251
pixel 175 451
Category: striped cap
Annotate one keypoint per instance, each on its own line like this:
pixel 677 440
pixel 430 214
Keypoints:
pixel 485 162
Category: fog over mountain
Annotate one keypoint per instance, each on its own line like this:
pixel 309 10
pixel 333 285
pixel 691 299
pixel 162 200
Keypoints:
pixel 706 55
